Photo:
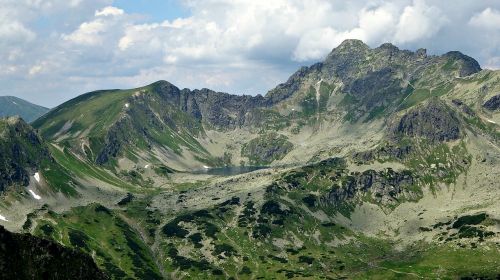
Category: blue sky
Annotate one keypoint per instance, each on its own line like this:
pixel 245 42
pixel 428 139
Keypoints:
pixel 54 50
pixel 154 10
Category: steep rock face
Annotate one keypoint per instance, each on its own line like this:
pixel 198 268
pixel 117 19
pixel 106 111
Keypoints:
pixel 23 256
pixel 466 64
pixel 117 136
pixel 493 104
pixel 21 152
pixel 386 186
pixel 221 110
pixel 433 121
pixel 291 86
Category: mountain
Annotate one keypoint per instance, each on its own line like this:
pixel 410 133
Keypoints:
pixel 13 106
pixel 376 163
pixel 161 123
pixel 27 257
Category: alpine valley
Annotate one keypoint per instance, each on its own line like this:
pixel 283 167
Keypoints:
pixel 377 163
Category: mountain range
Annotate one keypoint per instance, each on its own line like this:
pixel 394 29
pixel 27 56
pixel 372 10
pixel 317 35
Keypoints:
pixel 376 163
pixel 12 106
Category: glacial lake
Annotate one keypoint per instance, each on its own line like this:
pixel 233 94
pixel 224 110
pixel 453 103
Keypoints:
pixel 229 170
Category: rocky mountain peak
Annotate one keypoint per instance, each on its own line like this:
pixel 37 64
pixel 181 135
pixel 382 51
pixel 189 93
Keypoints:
pixel 388 46
pixel 351 45
pixel 466 64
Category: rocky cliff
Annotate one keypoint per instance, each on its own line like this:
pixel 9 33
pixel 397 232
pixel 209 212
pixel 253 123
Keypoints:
pixel 22 152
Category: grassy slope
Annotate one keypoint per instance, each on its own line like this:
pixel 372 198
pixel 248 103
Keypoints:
pixel 84 169
pixel 98 231
pixel 96 110
pixel 97 117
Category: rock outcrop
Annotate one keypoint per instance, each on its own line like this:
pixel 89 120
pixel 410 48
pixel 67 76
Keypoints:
pixel 21 152
pixel 433 121
pixel 266 148
pixel 385 187
pixel 493 104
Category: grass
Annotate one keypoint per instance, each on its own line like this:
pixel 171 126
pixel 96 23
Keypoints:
pixel 114 130
pixel 437 262
pixel 83 169
pixel 421 94
pixel 97 230
pixel 440 163
pixel 96 110
pixel 325 90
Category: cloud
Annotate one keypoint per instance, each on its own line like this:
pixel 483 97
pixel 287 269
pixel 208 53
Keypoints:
pixel 488 18
pixel 15 32
pixel 316 43
pixel 88 33
pixel 374 25
pixel 419 21
pixel 35 69
pixel 64 48
pixel 92 33
pixel 109 11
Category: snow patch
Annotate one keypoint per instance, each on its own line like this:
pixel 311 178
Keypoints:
pixel 35 196
pixel 146 166
pixel 3 218
pixel 127 105
pixel 206 167
pixel 37 177
pixel 14 102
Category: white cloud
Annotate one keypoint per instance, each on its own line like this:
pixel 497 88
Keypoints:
pixel 107 25
pixel 231 45
pixel 35 69
pixel 87 34
pixel 14 32
pixel 378 24
pixel 488 18
pixel 375 25
pixel 419 21
pixel 316 43
pixel 492 63
pixel 109 11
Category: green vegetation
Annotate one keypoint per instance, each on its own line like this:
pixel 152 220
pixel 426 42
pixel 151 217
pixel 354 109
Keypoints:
pixel 419 95
pixel 95 110
pixel 97 230
pixel 83 169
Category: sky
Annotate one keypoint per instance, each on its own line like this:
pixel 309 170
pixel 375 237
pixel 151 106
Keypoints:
pixel 54 50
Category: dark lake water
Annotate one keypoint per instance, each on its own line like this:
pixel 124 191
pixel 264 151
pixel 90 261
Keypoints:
pixel 229 170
